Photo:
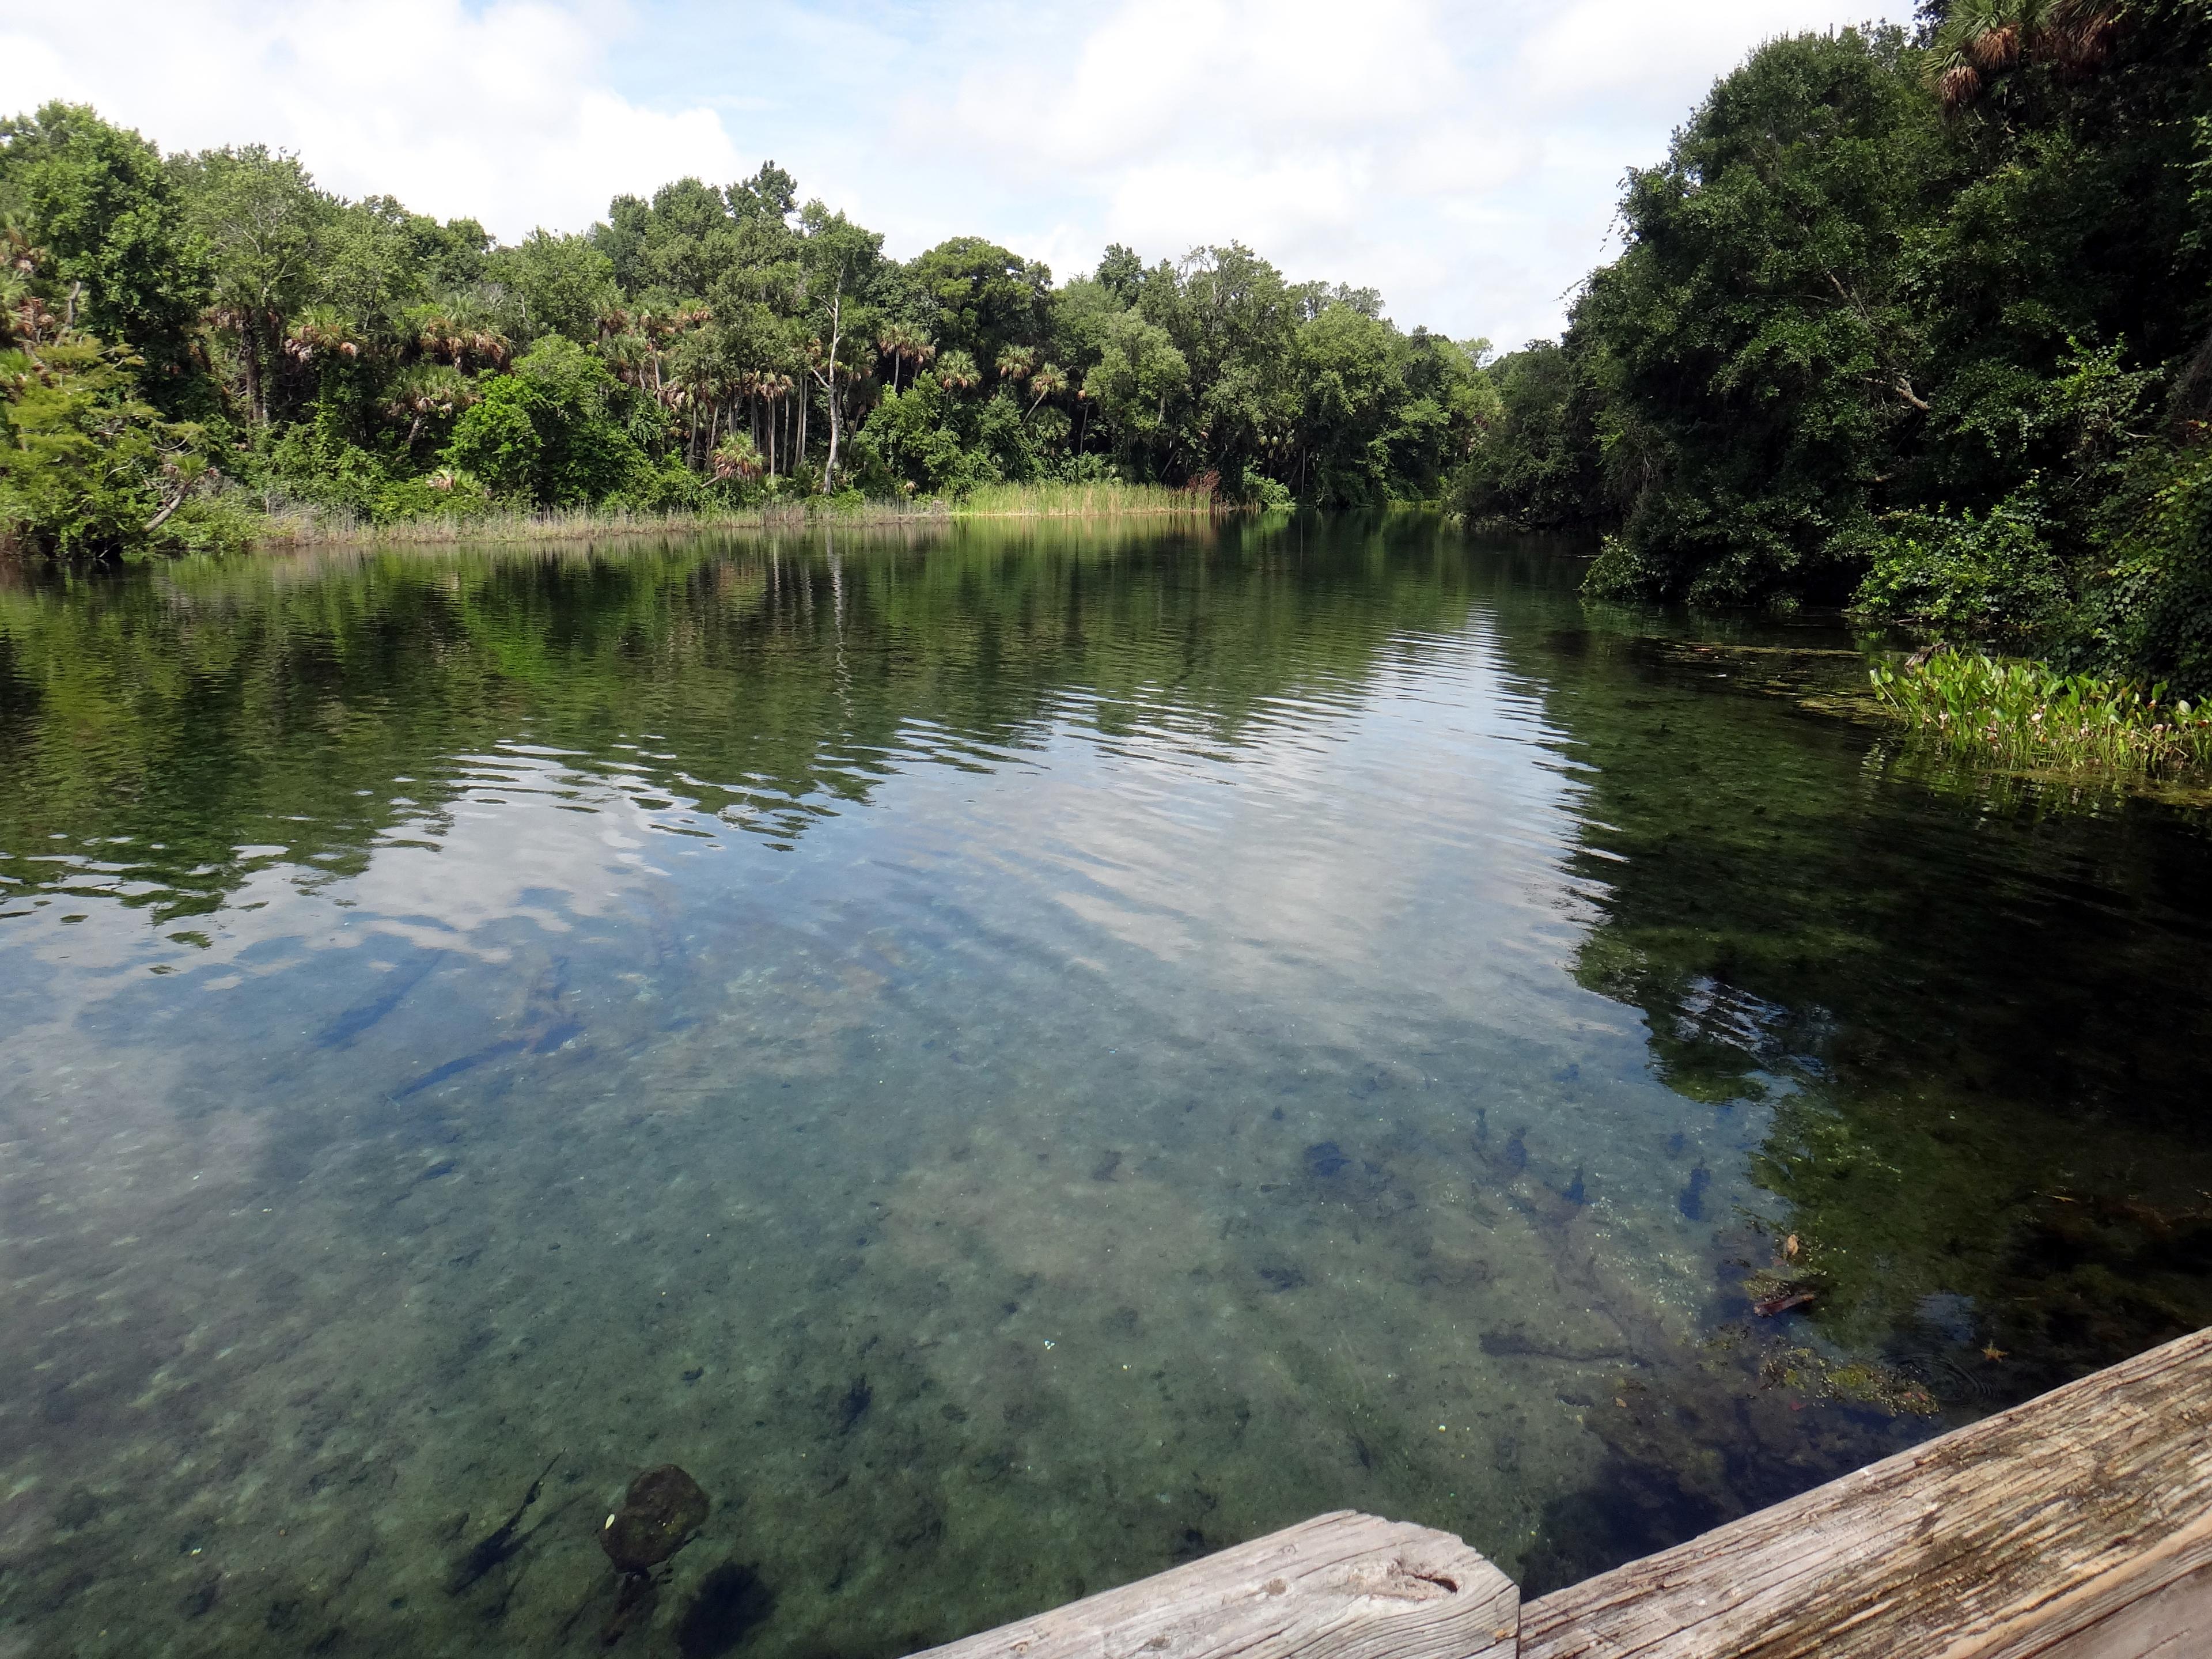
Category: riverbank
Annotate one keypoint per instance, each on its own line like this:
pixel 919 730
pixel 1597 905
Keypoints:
pixel 298 526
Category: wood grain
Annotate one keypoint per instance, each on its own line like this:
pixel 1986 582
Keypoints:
pixel 1340 1586
pixel 2004 1539
pixel 2173 1623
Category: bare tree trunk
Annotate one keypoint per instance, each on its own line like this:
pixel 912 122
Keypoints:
pixel 171 505
pixel 828 375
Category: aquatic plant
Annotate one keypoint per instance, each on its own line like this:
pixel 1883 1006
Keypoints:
pixel 2024 714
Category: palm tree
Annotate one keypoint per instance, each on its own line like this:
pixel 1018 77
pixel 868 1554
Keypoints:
pixel 1017 363
pixel 439 336
pixel 1980 39
pixel 425 390
pixel 487 346
pixel 17 253
pixel 735 457
pixel 904 343
pixel 625 352
pixel 699 381
pixel 771 389
pixel 957 371
pixel 456 332
pixel 22 312
pixel 894 341
pixel 321 331
pixel 1046 382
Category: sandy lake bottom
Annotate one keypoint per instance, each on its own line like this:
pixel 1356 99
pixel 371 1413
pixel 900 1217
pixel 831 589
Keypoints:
pixel 1017 1058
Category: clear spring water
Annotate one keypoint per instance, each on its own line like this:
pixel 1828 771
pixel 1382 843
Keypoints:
pixel 1016 1057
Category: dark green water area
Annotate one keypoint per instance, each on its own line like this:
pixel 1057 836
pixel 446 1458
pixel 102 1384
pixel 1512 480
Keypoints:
pixel 1015 1056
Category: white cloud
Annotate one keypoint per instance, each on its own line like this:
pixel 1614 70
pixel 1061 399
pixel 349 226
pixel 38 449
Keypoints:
pixel 1464 159
pixel 1175 75
pixel 1612 50
pixel 498 112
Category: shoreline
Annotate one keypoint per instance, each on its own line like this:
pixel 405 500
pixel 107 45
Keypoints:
pixel 1019 502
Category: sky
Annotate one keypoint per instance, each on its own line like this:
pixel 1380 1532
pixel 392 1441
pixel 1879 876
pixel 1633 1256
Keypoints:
pixel 1463 159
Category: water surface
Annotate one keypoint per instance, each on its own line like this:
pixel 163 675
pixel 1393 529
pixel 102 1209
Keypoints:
pixel 1016 1057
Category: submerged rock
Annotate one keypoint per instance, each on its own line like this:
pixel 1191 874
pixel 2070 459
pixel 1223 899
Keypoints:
pixel 658 1514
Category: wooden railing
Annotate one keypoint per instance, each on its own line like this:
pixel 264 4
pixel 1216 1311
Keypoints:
pixel 2077 1526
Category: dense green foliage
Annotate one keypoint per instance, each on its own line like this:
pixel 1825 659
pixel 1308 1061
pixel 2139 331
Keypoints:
pixel 1920 324
pixel 707 349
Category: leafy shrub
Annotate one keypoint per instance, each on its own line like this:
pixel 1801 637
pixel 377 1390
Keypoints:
pixel 1268 495
pixel 549 433
pixel 313 462
pixel 913 437
pixel 1966 573
pixel 445 494
pixel 671 487
pixel 2150 608
pixel 88 470
pixel 496 439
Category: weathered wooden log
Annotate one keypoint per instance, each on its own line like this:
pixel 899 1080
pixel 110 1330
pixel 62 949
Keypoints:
pixel 2076 1526
pixel 1341 1586
pixel 2173 1623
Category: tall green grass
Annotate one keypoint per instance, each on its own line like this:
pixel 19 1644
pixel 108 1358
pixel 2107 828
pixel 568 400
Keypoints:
pixel 2028 716
pixel 299 526
pixel 295 525
pixel 1082 501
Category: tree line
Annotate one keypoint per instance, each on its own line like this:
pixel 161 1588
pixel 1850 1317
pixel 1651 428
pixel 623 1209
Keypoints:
pixel 1919 322
pixel 186 339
